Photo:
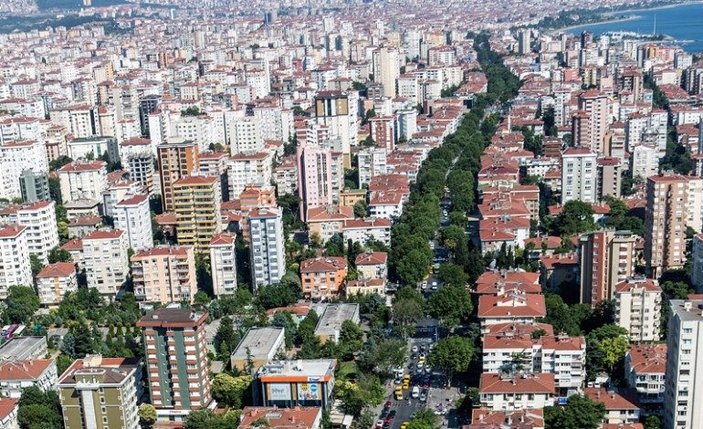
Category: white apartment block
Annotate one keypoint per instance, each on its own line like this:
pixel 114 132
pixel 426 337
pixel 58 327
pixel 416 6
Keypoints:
pixel 15 268
pixel 105 261
pixel 223 264
pixel 137 158
pixel 16 157
pixel 561 355
pixel 116 192
pixel 249 169
pixel 645 368
pixel 684 366
pixel 372 162
pixel 638 308
pixel 578 175
pixel 363 230
pixel 645 161
pixel 40 219
pixel 54 281
pixel 83 180
pixel 83 148
pixel 15 376
pixel 245 135
pixel 268 261
pixel 517 392
pixel 132 215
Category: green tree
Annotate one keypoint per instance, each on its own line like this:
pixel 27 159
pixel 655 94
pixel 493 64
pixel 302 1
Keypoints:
pixel 58 254
pixel 147 415
pixel 226 339
pixel 36 264
pixel 21 303
pixel 277 295
pixel 39 409
pixel 423 419
pixel 452 354
pixel 652 422
pixel 451 305
pixel 579 413
pixel 560 316
pixel 229 391
pixel 350 339
pixel 360 208
pixel 382 355
pixel 576 217
pixel 452 275
pixel 406 313
pixel 285 320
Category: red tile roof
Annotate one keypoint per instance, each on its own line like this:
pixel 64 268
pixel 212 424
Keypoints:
pixel 9 231
pixel 648 358
pixel 58 269
pixel 611 400
pixel 371 258
pixel 7 406
pixel 323 264
pixel 104 234
pixel 536 383
pixel 222 239
pixel 517 305
pixel 24 370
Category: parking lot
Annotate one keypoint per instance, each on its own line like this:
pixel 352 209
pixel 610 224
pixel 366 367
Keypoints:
pixel 428 386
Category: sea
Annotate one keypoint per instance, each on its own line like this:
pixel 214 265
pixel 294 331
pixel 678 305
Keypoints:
pixel 683 22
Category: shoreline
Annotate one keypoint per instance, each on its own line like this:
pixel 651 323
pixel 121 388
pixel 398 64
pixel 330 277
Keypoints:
pixel 607 21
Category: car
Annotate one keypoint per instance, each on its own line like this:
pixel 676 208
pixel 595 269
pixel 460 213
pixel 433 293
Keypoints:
pixel 404 425
pixel 387 425
pixel 397 380
pixel 406 386
pixel 428 369
pixel 423 286
pixel 379 424
pixel 423 396
pixel 414 348
pixel 392 414
pixel 421 365
pixel 406 378
pixel 434 286
pixel 399 395
pixel 387 405
pixel 415 393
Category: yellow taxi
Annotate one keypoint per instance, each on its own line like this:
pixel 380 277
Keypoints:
pixel 404 425
pixel 398 394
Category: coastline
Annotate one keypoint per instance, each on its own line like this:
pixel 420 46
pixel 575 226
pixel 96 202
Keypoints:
pixel 607 21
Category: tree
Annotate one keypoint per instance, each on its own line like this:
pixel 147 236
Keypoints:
pixel 350 339
pixel 273 296
pixel 613 350
pixel 382 355
pixel 452 275
pixel 579 413
pixel 285 320
pixel 147 415
pixel 452 354
pixel 225 338
pixel 39 409
pixel 423 419
pixel 36 264
pixel 450 305
pixel 576 217
pixel 406 313
pixel 652 422
pixel 58 254
pixel 368 391
pixel 207 419
pixel 560 316
pixel 21 303
pixel 229 391
pixel 360 208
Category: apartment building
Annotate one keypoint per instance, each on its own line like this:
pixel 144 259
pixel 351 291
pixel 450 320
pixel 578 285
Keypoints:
pixel 223 264
pixel 684 366
pixel 137 159
pixel 105 261
pixel 196 203
pixel 266 247
pixel 638 308
pixel 177 158
pixel 620 408
pixel 101 393
pixel 665 223
pixel 516 392
pixel 323 278
pixel 372 265
pixel 513 307
pixel 645 367
pixel 176 361
pixel 54 281
pixel 164 274
pixel 245 169
pixel 372 161
pixel 83 180
pixel 258 347
pixel 133 216
pixel 607 259
pixel 15 268
pixel 40 219
pixel 363 230
pixel 579 175
pixel 17 157
pixel 314 177
pixel 9 409
pixel 336 110
pixel 17 375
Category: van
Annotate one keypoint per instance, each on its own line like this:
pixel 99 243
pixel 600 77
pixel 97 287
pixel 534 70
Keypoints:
pixel 415 393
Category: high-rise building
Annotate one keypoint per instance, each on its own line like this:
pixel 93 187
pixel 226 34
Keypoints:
pixel 14 258
pixel 177 158
pixel 105 261
pixel 83 180
pixel 579 175
pixel 268 260
pixel 196 203
pixel 638 308
pixel 524 42
pixel 245 135
pixel 176 361
pixel 609 177
pixel 164 274
pixel 386 70
pixel 665 223
pixel 40 219
pixel 684 366
pixel 34 186
pixel 336 110
pixel 607 259
pixel 147 104
pixel 383 131
pixel 132 215
pixel 101 393
pixel 596 106
pixel 314 177
pixel 137 158
pixel 54 281
pixel 223 264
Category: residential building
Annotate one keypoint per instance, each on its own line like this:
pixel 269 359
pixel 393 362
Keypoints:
pixel 54 281
pixel 164 274
pixel 372 161
pixel 579 175
pixel 176 361
pixel 386 70
pixel 596 107
pixel 177 158
pixel 95 147
pixel 245 135
pixel 117 191
pixel 137 159
pixel 684 365
pixel 40 219
pixel 372 265
pixel 638 308
pixel 223 264
pixel 620 408
pixel 482 418
pixel 314 177
pixel 244 169
pixel 34 186
pixel 17 375
pixel 645 367
pixel 15 268
pixel 268 261
pixel 101 393
pixel 336 110
pixel 514 307
pixel 323 278
pixel 363 230
pixel 332 316
pixel 665 223
pixel 9 408
pixel 506 393
pixel 607 259
pixel 325 221
pixel 290 383
pixel 609 177
pixel 83 180
pixel 105 261
pixel 281 418
pixel 258 347
pixel 196 202
pixel 133 216
pixel 24 349
pixel 17 157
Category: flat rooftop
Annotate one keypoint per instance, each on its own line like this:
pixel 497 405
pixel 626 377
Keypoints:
pixel 691 314
pixel 333 315
pixel 297 368
pixel 21 348
pixel 259 341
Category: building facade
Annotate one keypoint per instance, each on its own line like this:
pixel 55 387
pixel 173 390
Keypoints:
pixel 164 274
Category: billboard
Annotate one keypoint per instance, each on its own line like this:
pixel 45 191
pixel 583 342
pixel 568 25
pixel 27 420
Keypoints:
pixel 309 392
pixel 278 392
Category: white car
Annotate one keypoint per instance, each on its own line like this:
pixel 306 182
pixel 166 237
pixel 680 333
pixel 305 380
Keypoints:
pixel 415 392
pixel 420 365
pixel 414 349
